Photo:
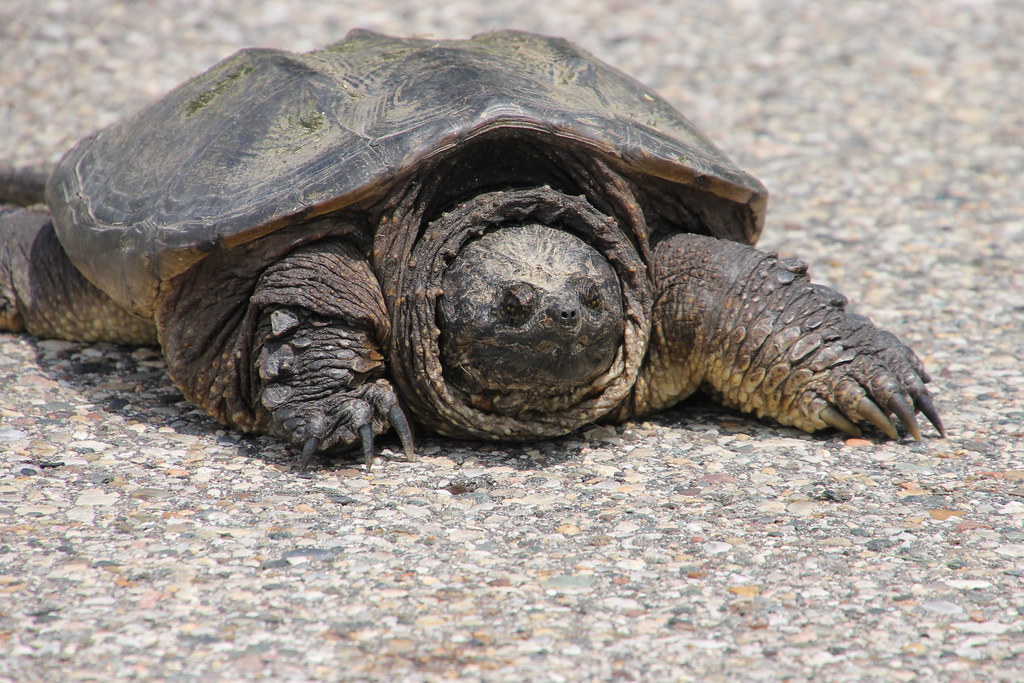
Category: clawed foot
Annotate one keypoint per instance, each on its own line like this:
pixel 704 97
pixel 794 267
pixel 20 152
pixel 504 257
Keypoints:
pixel 398 422
pixel 342 420
pixel 884 380
pixel 321 385
pixel 866 409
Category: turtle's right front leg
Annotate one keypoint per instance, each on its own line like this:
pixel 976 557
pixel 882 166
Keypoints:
pixel 320 382
pixel 318 369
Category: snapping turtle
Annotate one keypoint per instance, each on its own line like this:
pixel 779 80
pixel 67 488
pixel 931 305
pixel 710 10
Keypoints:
pixel 503 237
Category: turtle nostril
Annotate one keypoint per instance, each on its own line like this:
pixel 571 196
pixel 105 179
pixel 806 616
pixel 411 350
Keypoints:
pixel 568 315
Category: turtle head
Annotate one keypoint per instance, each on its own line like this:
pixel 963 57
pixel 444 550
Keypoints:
pixel 529 307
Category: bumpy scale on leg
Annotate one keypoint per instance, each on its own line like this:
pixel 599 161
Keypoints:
pixel 321 383
pixel 316 355
pixel 756 334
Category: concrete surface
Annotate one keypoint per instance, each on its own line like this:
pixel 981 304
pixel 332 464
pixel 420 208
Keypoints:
pixel 140 541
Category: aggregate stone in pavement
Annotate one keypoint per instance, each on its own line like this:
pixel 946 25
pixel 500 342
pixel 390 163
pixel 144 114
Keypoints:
pixel 139 540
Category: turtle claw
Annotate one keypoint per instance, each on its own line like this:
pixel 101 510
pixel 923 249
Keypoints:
pixel 366 437
pixel 898 405
pixel 308 450
pixel 927 408
pixel 835 419
pixel 401 426
pixel 870 411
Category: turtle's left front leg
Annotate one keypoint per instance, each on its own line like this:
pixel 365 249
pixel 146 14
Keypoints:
pixel 755 333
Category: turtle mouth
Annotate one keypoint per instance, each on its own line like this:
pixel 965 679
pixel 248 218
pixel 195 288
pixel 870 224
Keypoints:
pixel 486 366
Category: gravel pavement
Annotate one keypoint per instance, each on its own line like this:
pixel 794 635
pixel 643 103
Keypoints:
pixel 141 541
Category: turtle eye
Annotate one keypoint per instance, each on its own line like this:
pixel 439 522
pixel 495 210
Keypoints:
pixel 517 303
pixel 590 297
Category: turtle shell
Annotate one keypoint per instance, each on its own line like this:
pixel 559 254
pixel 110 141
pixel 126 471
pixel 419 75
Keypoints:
pixel 268 138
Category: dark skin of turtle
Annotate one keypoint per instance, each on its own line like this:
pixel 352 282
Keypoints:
pixel 553 246
pixel 528 307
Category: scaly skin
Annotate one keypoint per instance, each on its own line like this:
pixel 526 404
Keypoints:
pixel 754 332
pixel 318 362
pixel 41 292
pixel 300 359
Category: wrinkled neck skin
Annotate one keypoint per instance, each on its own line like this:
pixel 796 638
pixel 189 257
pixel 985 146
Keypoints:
pixel 443 275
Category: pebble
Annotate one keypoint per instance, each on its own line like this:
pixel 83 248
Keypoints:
pixel 568 584
pixel 96 497
pixel 990 627
pixel 941 607
pixel 968 584
pixel 35 510
pixel 802 508
pixel 81 513
pixel 716 547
